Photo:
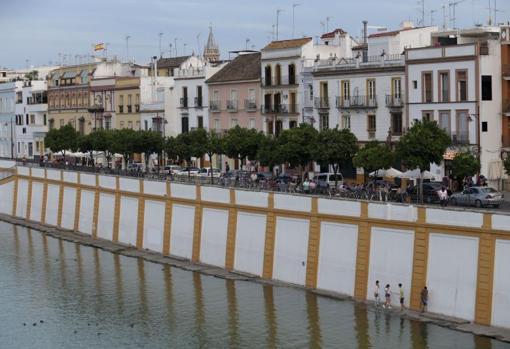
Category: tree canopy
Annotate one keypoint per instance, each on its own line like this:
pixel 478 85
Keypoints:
pixel 465 165
pixel 423 144
pixel 241 143
pixel 374 156
pixel 297 145
pixel 62 139
pixel 336 148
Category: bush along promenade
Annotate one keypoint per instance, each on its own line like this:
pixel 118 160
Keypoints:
pixel 298 148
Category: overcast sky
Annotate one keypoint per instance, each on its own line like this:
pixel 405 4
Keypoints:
pixel 39 30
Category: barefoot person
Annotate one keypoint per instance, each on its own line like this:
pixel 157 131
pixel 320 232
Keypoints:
pixel 401 293
pixel 424 298
pixel 387 296
pixel 376 293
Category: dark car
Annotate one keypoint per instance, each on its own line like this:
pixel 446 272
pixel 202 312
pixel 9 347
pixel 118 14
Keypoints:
pixel 430 192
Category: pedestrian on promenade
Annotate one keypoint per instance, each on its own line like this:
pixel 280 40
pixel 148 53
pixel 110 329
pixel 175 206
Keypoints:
pixel 401 292
pixel 424 298
pixel 376 293
pixel 443 196
pixel 387 296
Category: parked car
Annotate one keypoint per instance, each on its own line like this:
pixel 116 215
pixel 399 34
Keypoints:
pixel 172 169
pixel 192 171
pixel 478 196
pixel 430 192
pixel 264 176
pixel 327 180
pixel 135 166
pixel 206 172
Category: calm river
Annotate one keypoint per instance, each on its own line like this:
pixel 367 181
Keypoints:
pixel 56 294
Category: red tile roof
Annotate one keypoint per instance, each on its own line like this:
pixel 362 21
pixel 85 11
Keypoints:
pixel 282 44
pixel 332 34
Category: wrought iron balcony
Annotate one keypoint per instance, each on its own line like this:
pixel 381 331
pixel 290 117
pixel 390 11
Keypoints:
pixel 214 106
pixel 281 109
pixel 460 137
pixel 394 102
pixel 232 105
pixel 356 102
pixel 321 102
pixel 184 102
pixel 250 105
pixel 198 102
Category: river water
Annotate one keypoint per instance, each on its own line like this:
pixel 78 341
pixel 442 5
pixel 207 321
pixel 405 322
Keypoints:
pixel 56 294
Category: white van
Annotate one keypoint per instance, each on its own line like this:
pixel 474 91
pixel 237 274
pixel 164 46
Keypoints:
pixel 327 180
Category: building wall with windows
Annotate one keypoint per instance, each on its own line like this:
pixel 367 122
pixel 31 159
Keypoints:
pixel 367 98
pixel 127 92
pixel 69 97
pixel 8 100
pixel 31 120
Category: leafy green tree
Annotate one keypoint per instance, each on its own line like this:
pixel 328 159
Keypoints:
pixel 374 156
pixel 62 139
pixel 191 145
pixel 506 165
pixel 296 146
pixel 242 143
pixel 464 165
pixel 32 75
pixel 124 141
pixel 268 154
pixel 171 148
pixel 149 142
pixel 424 143
pixel 85 145
pixel 335 148
pixel 214 146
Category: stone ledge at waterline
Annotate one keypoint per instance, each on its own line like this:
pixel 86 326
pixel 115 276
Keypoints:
pixel 337 246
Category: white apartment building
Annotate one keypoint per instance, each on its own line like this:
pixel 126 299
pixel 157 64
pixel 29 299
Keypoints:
pixel 31 119
pixel 286 82
pixel 8 101
pixel 158 97
pixel 193 97
pixel 457 82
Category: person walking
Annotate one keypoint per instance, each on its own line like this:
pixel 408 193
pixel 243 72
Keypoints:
pixel 401 293
pixel 387 296
pixel 443 196
pixel 424 298
pixel 376 293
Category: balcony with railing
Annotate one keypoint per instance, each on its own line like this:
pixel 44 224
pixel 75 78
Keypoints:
pixel 284 80
pixel 356 102
pixel 321 102
pixel 184 102
pixel 250 105
pixel 121 109
pixel 198 102
pixel 215 106
pixel 360 62
pixel 232 105
pixel 394 101
pixel 281 109
pixel 129 108
pixel 137 108
pixel 460 138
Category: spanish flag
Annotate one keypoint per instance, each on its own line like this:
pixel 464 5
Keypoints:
pixel 99 47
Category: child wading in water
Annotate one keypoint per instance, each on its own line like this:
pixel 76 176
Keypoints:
pixel 387 296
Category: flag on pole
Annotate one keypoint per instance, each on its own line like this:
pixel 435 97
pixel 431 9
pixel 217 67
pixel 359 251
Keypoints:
pixel 99 47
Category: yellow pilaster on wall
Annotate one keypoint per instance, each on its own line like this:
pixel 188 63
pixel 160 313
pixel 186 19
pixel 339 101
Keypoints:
pixel 484 283
pixel 60 199
pixel 167 229
pixel 197 229
pixel 231 232
pixel 15 198
pixel 44 197
pixel 141 214
pixel 267 272
pixel 116 211
pixel 312 263
pixel 95 217
pixel 77 205
pixel 363 255
pixel 29 194
pixel 420 259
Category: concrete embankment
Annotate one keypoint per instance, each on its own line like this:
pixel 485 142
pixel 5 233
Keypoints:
pixel 335 247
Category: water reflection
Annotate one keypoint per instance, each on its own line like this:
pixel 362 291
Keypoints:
pixel 91 298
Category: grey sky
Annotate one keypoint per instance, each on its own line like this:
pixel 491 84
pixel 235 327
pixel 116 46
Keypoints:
pixel 39 30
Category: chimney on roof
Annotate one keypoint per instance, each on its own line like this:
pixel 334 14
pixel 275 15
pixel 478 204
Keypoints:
pixel 365 41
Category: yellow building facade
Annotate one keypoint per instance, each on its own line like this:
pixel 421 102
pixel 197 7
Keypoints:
pixel 127 97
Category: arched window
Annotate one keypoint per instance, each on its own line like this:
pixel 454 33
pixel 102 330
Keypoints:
pixel 292 74
pixel 267 75
pixel 278 74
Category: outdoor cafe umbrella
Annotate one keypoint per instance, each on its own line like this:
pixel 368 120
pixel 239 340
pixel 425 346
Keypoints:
pixel 390 173
pixel 414 174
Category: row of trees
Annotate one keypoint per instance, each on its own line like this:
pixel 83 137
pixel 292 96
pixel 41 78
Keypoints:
pixel 423 144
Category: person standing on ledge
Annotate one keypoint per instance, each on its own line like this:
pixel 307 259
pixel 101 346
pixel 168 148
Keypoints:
pixel 387 296
pixel 424 298
pixel 401 292
pixel 376 293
